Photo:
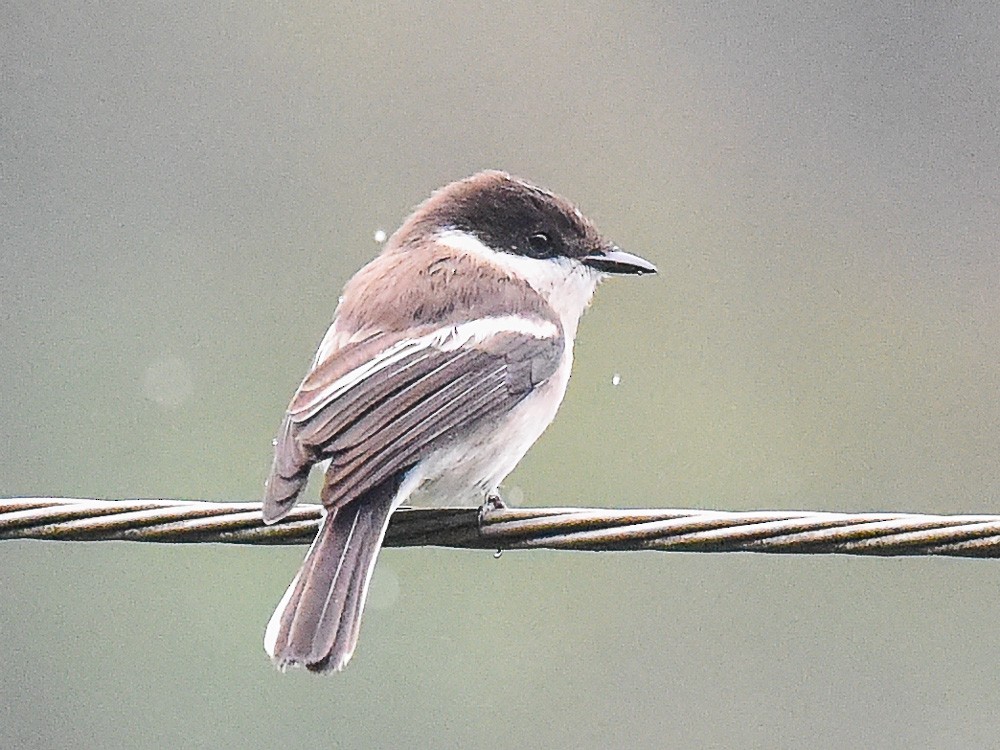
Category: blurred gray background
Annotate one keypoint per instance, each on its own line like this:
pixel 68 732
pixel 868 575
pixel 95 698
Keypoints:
pixel 184 188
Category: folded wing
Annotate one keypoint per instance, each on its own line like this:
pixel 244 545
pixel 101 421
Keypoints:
pixel 378 405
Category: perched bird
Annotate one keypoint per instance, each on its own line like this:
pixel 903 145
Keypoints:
pixel 447 357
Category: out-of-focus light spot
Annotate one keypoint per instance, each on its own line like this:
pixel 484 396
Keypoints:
pixel 512 496
pixel 168 381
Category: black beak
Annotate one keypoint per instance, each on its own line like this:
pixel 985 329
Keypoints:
pixel 615 260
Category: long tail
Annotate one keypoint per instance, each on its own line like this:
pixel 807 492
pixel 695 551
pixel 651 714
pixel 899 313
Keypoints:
pixel 316 624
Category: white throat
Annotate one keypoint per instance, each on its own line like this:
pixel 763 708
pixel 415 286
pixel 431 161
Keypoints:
pixel 566 284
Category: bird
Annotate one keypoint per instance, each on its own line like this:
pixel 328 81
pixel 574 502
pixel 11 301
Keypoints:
pixel 448 356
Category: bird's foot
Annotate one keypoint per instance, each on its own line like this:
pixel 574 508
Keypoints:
pixel 492 503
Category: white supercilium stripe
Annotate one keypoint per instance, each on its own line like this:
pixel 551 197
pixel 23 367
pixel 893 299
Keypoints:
pixel 566 284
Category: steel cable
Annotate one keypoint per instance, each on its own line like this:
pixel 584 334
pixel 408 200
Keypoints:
pixel 592 529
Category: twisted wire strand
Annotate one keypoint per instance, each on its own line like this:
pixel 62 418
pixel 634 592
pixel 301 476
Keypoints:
pixel 590 529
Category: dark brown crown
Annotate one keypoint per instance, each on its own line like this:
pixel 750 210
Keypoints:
pixel 507 214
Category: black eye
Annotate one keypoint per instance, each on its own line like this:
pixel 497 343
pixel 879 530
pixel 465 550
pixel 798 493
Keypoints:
pixel 540 245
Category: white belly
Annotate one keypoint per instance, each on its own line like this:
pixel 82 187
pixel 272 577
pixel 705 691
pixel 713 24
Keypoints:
pixel 464 473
